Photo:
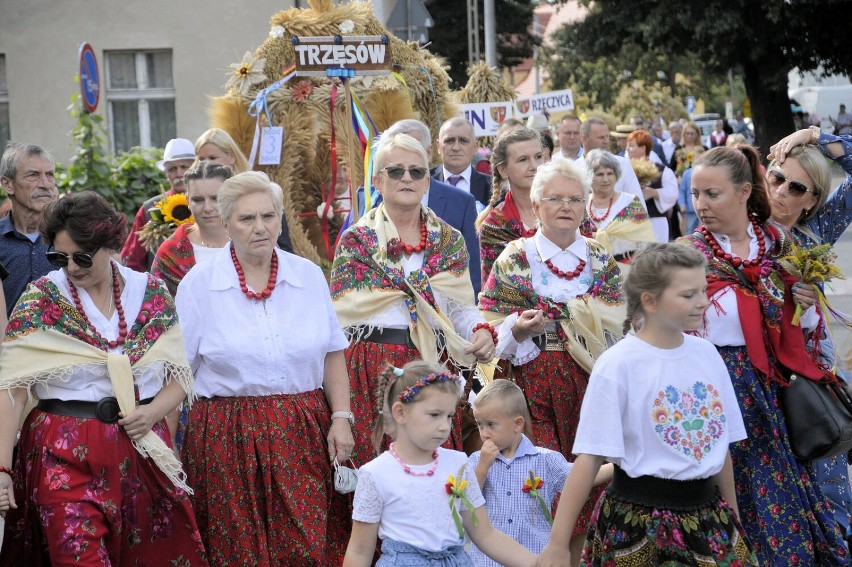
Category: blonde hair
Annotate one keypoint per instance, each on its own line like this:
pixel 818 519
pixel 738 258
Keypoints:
pixel 817 168
pixel 226 143
pixel 395 381
pixel 505 394
pixel 246 183
pixel 387 144
pixel 651 272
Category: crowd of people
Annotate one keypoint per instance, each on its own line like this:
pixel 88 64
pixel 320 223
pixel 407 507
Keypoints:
pixel 484 348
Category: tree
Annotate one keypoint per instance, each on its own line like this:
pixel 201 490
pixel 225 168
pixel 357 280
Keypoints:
pixel 764 40
pixel 448 38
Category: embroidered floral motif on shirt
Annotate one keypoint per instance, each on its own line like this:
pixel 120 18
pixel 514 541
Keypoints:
pixel 689 421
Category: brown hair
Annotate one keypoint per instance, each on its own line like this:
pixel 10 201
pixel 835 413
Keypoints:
pixel 91 222
pixel 499 155
pixel 743 166
pixel 651 272
pixel 392 383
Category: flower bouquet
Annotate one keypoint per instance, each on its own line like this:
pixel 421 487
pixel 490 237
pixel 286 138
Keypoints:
pixel 532 485
pixel 171 212
pixel 684 160
pixel 645 170
pixel 456 487
pixel 814 266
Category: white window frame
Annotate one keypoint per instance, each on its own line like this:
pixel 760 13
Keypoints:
pixel 141 94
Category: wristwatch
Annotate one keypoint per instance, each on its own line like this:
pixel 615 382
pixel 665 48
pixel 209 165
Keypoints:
pixel 348 415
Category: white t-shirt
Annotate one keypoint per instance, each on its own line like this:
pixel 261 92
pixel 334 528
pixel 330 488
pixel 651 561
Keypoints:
pixel 668 413
pixel 413 509
pixel 241 347
pixel 90 382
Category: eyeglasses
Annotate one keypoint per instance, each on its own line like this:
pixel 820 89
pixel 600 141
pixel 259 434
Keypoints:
pixel 394 172
pixel 777 179
pixel 556 201
pixel 60 259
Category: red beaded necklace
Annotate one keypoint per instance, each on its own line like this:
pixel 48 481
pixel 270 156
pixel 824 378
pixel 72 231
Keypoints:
pixel 736 261
pixel 270 283
pixel 606 214
pixel 407 469
pixel 409 249
pixel 566 275
pixel 116 294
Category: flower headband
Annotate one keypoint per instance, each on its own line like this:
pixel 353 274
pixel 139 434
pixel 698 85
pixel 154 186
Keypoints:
pixel 407 396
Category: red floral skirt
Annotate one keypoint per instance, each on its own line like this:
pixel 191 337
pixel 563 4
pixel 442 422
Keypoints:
pixel 87 497
pixel 554 385
pixel 365 361
pixel 263 486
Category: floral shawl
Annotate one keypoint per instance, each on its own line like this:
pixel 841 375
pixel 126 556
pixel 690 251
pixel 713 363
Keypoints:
pixel 47 338
pixel 174 259
pixel 502 225
pixel 589 323
pixel 765 304
pixel 624 233
pixel 368 276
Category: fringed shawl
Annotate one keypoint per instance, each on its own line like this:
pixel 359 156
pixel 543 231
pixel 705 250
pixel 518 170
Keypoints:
pixel 589 323
pixel 368 277
pixel 766 306
pixel 502 225
pixel 625 232
pixel 47 338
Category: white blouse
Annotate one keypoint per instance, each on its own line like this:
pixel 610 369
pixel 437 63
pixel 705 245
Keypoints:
pixel 90 383
pixel 242 347
pixel 545 283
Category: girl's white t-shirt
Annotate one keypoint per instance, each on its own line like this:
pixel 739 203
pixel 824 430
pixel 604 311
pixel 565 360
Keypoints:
pixel 668 413
pixel 414 509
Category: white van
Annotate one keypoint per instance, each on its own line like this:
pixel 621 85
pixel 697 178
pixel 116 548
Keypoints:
pixel 824 101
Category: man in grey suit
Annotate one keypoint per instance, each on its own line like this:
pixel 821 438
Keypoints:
pixel 457 146
pixel 453 205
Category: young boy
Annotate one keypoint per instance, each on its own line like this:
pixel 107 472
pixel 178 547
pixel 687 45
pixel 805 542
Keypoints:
pixel 501 414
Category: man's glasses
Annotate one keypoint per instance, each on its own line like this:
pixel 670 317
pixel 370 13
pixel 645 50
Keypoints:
pixel 394 172
pixel 60 259
pixel 557 202
pixel 777 179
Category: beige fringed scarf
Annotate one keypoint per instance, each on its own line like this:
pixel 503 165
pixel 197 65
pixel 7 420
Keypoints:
pixel 368 277
pixel 45 342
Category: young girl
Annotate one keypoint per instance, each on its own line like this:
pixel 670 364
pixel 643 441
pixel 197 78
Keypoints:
pixel 661 407
pixel 408 494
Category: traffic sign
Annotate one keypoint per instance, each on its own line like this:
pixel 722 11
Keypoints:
pixel 90 85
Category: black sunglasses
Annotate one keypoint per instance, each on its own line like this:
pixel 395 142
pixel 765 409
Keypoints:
pixel 777 179
pixel 417 173
pixel 60 259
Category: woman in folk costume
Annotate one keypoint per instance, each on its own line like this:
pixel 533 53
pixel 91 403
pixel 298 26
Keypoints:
pixel 273 398
pixel 750 321
pixel 95 479
pixel 616 219
pixel 194 242
pixel 556 300
pixel 514 160
pixel 401 287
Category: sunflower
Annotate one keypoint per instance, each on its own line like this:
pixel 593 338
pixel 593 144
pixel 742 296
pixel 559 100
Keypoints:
pixel 175 209
pixel 246 73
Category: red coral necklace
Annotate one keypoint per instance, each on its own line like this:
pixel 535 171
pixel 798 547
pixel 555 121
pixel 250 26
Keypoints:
pixel 409 249
pixel 116 294
pixel 566 275
pixel 606 214
pixel 270 283
pixel 736 261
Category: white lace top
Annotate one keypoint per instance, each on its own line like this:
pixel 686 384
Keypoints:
pixel 413 509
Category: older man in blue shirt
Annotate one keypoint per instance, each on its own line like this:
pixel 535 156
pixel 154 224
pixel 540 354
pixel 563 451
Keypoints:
pixel 28 176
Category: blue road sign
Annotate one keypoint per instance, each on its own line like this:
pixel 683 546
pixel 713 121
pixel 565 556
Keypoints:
pixel 90 80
